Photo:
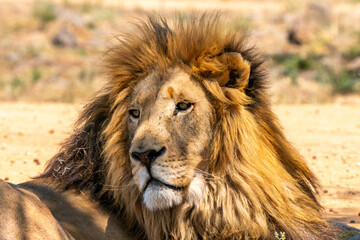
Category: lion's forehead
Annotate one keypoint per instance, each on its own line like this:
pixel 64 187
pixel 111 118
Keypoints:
pixel 155 91
pixel 146 89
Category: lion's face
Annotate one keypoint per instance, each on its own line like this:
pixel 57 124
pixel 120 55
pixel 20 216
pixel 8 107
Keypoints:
pixel 169 124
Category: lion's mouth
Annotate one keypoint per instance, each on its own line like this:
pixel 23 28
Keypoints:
pixel 160 183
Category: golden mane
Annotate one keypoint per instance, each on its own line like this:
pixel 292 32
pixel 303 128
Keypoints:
pixel 261 183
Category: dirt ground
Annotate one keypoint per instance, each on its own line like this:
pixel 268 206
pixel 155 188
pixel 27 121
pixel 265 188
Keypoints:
pixel 328 136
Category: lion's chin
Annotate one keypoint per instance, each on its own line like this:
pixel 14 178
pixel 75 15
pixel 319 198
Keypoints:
pixel 158 196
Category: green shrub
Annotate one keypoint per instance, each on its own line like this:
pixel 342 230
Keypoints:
pixel 35 75
pixel 17 87
pixel 44 11
pixel 352 52
pixel 16 83
pixel 342 82
pixel 294 64
pixel 91 25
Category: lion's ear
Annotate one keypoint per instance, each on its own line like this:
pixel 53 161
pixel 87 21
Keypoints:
pixel 236 70
pixel 229 69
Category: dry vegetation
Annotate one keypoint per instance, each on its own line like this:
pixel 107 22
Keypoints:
pixel 51 50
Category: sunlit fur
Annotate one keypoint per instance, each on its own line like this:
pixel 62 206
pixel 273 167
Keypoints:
pixel 256 183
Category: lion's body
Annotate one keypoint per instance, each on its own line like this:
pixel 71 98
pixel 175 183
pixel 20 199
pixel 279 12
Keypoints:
pixel 36 210
pixel 182 142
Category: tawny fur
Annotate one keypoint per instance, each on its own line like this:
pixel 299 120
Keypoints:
pixel 260 185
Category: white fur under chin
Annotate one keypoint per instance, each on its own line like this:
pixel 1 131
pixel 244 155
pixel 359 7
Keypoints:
pixel 157 196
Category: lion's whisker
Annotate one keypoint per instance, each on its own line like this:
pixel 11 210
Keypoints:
pixel 117 188
pixel 207 175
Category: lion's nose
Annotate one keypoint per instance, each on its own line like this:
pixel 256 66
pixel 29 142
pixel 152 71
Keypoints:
pixel 148 156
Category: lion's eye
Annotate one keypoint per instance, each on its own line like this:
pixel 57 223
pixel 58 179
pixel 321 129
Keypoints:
pixel 134 113
pixel 183 106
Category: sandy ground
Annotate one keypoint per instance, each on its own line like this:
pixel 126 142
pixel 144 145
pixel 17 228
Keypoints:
pixel 328 136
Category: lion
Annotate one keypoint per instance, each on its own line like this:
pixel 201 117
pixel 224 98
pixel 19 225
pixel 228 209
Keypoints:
pixel 181 143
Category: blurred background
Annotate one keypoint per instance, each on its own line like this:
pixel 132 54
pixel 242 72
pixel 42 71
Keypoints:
pixel 51 50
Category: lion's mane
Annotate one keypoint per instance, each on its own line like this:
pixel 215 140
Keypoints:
pixel 260 184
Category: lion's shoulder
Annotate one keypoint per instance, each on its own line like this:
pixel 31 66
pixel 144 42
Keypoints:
pixel 37 210
pixel 24 216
